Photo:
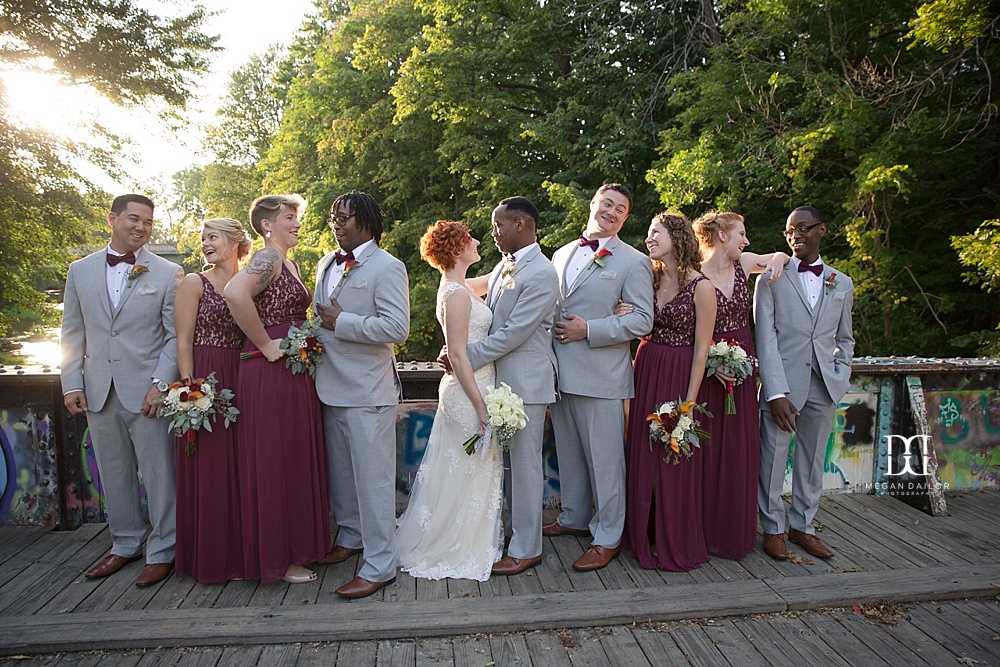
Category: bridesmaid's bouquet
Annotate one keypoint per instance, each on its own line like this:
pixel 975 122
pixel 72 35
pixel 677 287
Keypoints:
pixel 728 356
pixel 673 425
pixel 303 351
pixel 193 404
pixel 505 410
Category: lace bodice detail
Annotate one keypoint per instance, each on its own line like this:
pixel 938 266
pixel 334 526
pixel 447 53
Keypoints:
pixel 215 326
pixel 673 323
pixel 284 300
pixel 733 314
pixel 481 317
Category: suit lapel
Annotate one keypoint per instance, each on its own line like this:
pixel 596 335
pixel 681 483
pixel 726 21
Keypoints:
pixel 322 293
pixel 592 266
pixel 101 280
pixel 823 300
pixel 793 278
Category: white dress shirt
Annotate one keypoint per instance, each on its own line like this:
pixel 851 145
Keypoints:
pixel 579 260
pixel 811 283
pixel 516 256
pixel 336 271
pixel 116 277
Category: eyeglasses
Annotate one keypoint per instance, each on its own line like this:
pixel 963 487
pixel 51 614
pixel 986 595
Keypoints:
pixel 338 219
pixel 801 231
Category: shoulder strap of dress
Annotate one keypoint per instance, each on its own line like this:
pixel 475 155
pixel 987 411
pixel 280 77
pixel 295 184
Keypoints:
pixel 448 287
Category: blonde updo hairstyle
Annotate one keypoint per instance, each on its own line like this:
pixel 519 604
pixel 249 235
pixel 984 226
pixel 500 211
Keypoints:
pixel 269 206
pixel 443 242
pixel 708 225
pixel 685 248
pixel 233 232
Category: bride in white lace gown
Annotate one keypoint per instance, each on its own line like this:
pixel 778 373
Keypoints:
pixel 452 527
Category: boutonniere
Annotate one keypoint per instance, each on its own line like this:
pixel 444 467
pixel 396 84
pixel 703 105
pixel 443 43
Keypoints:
pixel 830 283
pixel 134 274
pixel 601 257
pixel 348 265
pixel 508 268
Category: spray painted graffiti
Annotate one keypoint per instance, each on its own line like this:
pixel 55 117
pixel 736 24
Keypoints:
pixel 414 422
pixel 965 426
pixel 28 485
pixel 849 462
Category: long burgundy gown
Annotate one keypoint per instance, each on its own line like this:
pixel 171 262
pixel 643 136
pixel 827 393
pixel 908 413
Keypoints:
pixel 664 500
pixel 282 458
pixel 209 543
pixel 731 461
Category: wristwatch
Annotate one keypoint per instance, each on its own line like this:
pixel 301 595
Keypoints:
pixel 161 385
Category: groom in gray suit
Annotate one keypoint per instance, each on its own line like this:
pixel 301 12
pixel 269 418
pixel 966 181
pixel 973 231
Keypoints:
pixel 805 345
pixel 522 293
pixel 119 351
pixel 595 373
pixel 363 300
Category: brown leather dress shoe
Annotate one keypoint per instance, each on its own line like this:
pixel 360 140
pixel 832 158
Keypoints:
pixel 510 565
pixel 774 546
pixel 340 554
pixel 153 573
pixel 595 558
pixel 362 588
pixel 810 543
pixel 111 564
pixel 555 529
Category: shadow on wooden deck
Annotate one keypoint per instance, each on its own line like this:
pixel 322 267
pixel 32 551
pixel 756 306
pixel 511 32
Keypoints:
pixel 885 551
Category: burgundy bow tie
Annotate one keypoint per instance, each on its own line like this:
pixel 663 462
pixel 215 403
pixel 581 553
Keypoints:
pixel 113 260
pixel 593 243
pixel 817 269
pixel 342 257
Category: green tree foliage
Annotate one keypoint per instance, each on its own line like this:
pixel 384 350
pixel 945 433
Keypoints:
pixel 123 52
pixel 889 130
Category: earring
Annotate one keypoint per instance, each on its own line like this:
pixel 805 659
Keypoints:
pixel 268 235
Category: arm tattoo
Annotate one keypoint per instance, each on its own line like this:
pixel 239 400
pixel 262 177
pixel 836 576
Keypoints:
pixel 262 265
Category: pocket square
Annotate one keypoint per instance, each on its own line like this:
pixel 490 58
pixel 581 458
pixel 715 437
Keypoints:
pixel 361 284
pixel 147 289
pixel 608 275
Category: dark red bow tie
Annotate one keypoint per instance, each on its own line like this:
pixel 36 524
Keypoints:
pixel 114 260
pixel 817 269
pixel 593 243
pixel 342 257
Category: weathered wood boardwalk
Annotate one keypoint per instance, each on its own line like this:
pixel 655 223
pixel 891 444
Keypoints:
pixel 886 552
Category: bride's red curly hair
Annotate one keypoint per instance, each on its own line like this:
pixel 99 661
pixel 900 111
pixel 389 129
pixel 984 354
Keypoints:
pixel 442 242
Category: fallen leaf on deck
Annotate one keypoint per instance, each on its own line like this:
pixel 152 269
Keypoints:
pixel 799 560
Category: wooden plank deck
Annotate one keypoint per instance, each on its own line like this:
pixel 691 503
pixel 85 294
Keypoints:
pixel 886 552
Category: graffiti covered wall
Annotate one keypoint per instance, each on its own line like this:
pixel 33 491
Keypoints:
pixel 965 427
pixel 28 480
pixel 849 462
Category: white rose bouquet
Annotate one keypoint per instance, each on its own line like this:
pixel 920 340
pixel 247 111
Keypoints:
pixel 194 404
pixel 728 356
pixel 672 424
pixel 505 411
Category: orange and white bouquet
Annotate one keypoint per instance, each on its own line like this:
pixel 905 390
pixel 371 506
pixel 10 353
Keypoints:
pixel 728 356
pixel 193 404
pixel 673 425
pixel 303 351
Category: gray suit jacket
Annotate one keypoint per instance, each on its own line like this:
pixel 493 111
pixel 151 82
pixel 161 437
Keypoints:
pixel 520 340
pixel 601 365
pixel 128 345
pixel 789 333
pixel 359 368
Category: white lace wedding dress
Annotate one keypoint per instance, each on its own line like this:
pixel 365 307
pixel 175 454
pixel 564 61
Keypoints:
pixel 451 527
